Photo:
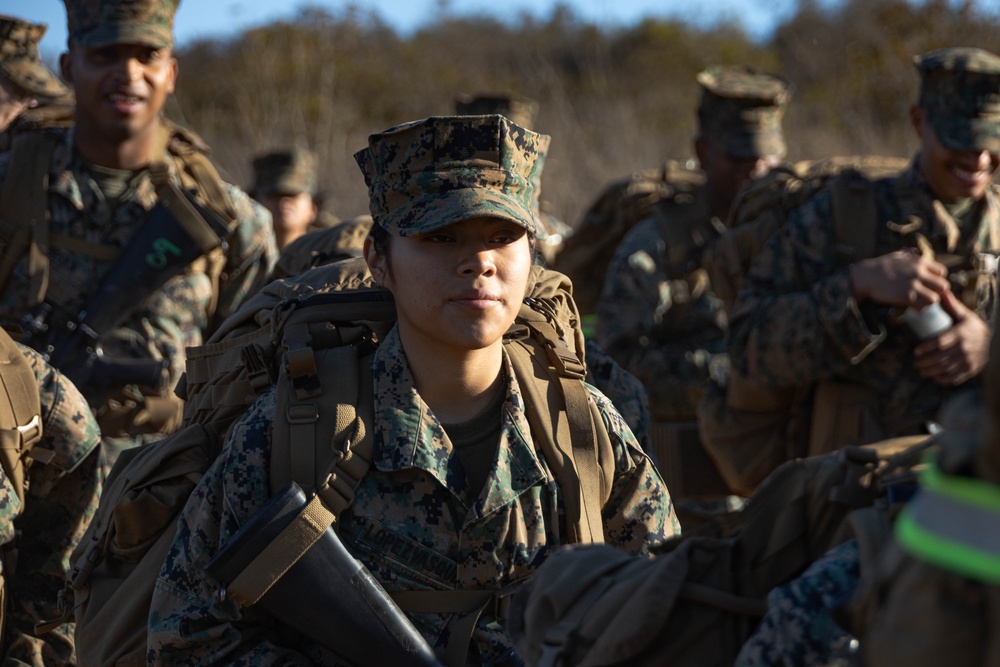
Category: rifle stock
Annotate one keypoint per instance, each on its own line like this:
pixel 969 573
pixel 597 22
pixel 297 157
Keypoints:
pixel 327 595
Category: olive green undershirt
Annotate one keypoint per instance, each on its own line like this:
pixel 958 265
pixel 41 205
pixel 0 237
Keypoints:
pixel 115 184
pixel 476 441
pixel 965 212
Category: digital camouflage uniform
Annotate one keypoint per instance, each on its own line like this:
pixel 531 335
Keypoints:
pixel 414 521
pixel 657 315
pixel 177 314
pixel 796 322
pixel 21 65
pixel 60 500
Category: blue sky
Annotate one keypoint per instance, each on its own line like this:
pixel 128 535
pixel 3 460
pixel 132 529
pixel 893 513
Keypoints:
pixel 221 18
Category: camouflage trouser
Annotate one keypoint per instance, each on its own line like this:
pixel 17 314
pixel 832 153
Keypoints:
pixel 799 628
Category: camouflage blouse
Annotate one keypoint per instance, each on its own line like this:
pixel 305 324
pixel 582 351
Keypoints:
pixel 796 322
pixel 413 523
pixel 60 500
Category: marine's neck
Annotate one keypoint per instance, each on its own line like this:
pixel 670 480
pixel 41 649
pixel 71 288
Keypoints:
pixel 456 387
pixel 129 153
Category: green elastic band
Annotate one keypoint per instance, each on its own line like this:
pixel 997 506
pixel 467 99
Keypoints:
pixel 588 324
pixel 962 489
pixel 947 554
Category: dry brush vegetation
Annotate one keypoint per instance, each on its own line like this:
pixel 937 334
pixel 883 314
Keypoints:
pixel 614 100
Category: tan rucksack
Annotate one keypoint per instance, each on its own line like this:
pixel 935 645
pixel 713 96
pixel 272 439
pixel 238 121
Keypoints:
pixel 701 597
pixel 586 253
pixel 749 430
pixel 297 335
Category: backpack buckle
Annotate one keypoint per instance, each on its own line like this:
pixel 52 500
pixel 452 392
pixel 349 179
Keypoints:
pixel 563 359
pixel 31 432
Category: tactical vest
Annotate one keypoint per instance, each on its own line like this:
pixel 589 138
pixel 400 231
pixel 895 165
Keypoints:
pixel 180 156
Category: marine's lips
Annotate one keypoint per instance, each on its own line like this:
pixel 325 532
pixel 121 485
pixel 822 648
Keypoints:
pixel 125 101
pixel 480 299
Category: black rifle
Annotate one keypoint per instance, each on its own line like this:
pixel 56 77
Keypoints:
pixel 176 231
pixel 327 595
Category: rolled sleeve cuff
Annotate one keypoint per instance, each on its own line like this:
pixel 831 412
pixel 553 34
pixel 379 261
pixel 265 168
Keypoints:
pixel 848 330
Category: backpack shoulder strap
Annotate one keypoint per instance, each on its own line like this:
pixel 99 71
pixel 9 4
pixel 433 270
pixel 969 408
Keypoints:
pixel 299 419
pixel 686 227
pixel 197 171
pixel 855 215
pixel 24 205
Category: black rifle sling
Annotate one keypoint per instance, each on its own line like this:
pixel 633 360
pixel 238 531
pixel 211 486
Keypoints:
pixel 25 224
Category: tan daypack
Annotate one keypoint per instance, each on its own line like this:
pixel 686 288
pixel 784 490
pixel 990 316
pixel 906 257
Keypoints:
pixel 297 335
pixel 747 429
pixel 586 253
pixel 701 597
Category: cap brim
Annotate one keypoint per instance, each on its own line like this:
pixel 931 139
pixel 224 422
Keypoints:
pixel 34 77
pixel 443 209
pixel 961 133
pixel 109 34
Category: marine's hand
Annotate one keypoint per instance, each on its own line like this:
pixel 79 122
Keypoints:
pixel 958 354
pixel 902 278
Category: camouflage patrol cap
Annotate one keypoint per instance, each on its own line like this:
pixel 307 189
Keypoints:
pixel 434 172
pixel 95 23
pixel 288 172
pixel 19 59
pixel 521 110
pixel 960 91
pixel 741 109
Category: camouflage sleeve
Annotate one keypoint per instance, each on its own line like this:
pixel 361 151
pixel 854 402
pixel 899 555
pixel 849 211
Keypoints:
pixel 639 514
pixel 61 499
pixel 650 325
pixel 795 320
pixel 251 256
pixel 623 389
pixel 800 627
pixel 188 623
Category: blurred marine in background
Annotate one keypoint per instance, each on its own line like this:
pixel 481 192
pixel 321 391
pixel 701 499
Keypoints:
pixel 657 314
pixel 121 244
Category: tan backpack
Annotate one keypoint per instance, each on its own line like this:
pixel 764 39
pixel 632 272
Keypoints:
pixel 297 335
pixel 749 430
pixel 586 253
pixel 763 206
pixel 698 601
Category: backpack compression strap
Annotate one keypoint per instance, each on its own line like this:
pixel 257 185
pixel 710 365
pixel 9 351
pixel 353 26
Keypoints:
pixel 559 412
pixel 20 415
pixel 24 206
pixel 855 216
